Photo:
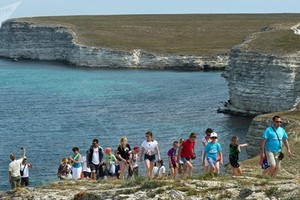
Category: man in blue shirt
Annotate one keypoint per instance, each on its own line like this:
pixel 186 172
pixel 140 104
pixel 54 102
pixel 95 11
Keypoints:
pixel 271 145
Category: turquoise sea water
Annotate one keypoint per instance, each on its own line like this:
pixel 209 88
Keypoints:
pixel 49 108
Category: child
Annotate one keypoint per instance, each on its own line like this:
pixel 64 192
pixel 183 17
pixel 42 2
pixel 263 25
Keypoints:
pixel 86 171
pixel 180 164
pixel 64 170
pixel 212 150
pixel 172 159
pixel 161 169
pixel 155 170
pixel 235 149
pixel 204 142
pixel 133 162
pixel 110 162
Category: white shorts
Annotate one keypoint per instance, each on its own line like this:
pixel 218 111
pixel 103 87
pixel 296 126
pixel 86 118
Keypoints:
pixel 273 159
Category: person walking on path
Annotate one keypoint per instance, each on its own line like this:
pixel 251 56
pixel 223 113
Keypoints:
pixel 76 164
pixel 186 153
pixel 234 151
pixel 204 141
pixel 212 152
pixel 95 159
pixel 172 157
pixel 123 153
pixel 14 170
pixel 150 148
pixel 24 171
pixel 271 145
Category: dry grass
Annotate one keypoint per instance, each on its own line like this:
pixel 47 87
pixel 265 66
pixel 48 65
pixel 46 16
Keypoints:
pixel 197 34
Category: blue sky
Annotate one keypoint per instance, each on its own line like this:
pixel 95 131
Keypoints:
pixel 29 8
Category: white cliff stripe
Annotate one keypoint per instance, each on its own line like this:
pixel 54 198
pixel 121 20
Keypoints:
pixel 6 11
pixel 296 29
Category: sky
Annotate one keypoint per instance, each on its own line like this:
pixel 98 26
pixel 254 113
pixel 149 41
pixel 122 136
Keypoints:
pixel 31 8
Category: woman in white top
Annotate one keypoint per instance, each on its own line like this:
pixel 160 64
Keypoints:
pixel 24 171
pixel 204 141
pixel 150 148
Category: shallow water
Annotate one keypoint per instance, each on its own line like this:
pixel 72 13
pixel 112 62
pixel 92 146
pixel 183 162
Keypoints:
pixel 49 108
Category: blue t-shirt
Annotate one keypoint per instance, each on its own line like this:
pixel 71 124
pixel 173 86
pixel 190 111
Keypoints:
pixel 272 142
pixel 212 150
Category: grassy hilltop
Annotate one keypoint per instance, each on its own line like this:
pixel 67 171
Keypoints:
pixel 190 34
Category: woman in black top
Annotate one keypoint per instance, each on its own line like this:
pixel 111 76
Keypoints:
pixel 123 153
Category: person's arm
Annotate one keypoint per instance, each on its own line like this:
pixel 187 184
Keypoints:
pixel 158 153
pixel 204 157
pixel 244 145
pixel 262 148
pixel 221 157
pixel 24 152
pixel 9 176
pixel 100 156
pixel 29 165
pixel 179 152
pixel 142 153
pixel 286 143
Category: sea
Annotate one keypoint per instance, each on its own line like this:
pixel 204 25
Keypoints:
pixel 48 108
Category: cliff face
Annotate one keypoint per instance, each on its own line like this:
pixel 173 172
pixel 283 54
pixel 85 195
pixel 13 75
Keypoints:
pixel 23 40
pixel 261 82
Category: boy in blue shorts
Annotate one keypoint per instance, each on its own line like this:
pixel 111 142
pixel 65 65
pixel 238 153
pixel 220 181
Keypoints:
pixel 213 153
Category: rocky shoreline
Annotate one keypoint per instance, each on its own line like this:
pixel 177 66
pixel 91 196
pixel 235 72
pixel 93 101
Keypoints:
pixel 248 186
pixel 54 42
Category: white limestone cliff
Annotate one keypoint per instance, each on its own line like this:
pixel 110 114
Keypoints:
pixel 261 82
pixel 24 40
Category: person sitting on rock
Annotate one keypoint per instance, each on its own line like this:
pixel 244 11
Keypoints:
pixel 64 170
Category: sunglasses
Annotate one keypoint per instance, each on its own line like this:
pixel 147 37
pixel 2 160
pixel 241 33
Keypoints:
pixel 213 137
pixel 279 122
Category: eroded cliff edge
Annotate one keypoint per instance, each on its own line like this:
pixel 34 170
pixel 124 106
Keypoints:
pixel 54 42
pixel 263 72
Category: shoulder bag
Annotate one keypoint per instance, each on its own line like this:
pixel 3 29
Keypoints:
pixel 281 155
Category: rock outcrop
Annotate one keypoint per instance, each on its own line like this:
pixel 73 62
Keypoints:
pixel 49 42
pixel 254 136
pixel 215 188
pixel 261 82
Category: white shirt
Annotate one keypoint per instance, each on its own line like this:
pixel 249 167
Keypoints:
pixel 95 159
pixel 14 167
pixel 149 147
pixel 84 164
pixel 25 170
pixel 135 158
pixel 161 171
pixel 155 171
pixel 203 140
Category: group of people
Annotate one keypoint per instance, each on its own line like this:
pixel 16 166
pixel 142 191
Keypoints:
pixel 19 170
pixel 97 162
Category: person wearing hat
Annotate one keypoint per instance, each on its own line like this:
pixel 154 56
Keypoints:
pixel 110 161
pixel 204 141
pixel 14 170
pixel 133 162
pixel 24 171
pixel 212 151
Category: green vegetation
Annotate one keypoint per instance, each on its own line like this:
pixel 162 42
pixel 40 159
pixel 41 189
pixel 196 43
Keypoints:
pixel 194 34
pixel 272 192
